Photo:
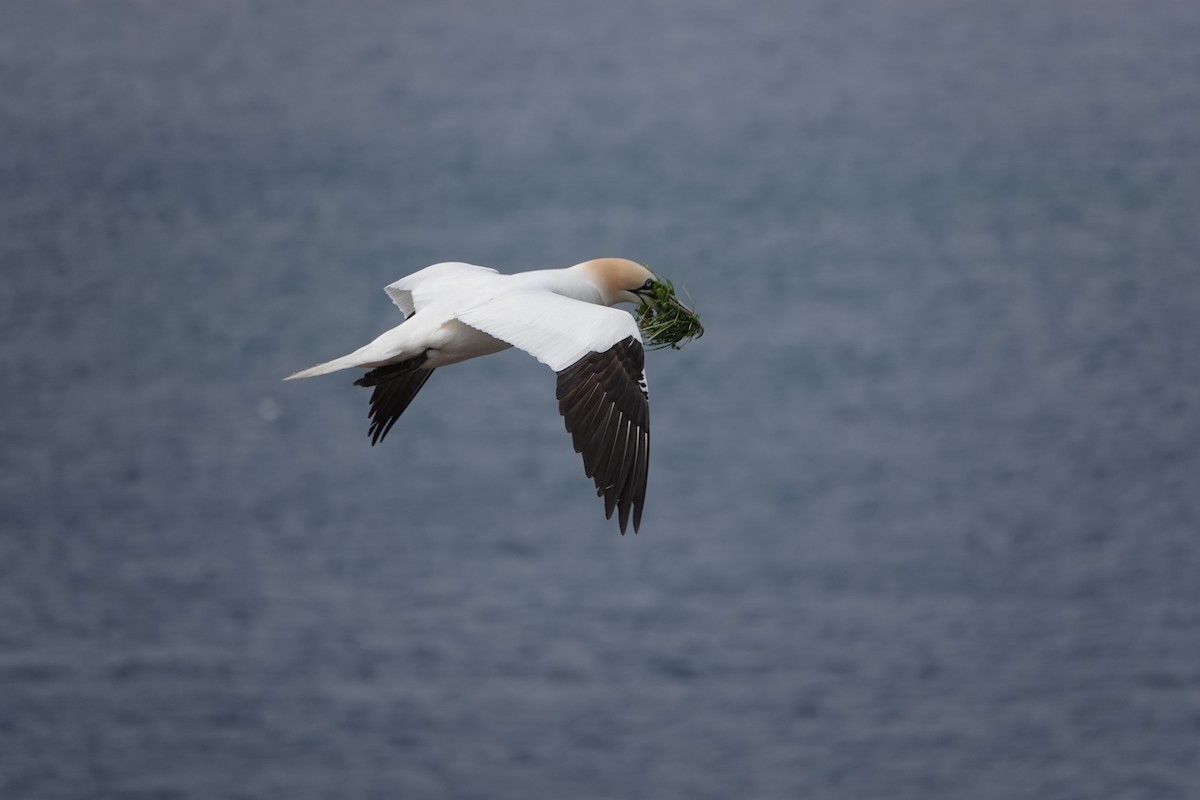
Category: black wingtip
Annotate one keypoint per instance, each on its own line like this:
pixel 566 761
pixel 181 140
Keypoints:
pixel 604 404
pixel 391 397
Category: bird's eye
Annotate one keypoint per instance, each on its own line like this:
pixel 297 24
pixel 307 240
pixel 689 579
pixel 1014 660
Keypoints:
pixel 649 282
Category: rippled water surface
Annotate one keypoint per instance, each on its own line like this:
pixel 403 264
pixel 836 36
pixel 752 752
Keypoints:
pixel 924 505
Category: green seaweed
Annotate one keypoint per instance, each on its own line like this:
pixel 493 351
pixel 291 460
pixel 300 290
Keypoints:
pixel 667 322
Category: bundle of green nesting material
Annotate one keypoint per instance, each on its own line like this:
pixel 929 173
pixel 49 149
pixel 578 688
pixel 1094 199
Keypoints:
pixel 666 321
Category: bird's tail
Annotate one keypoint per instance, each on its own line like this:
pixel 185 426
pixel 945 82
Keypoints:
pixel 389 347
pixel 345 362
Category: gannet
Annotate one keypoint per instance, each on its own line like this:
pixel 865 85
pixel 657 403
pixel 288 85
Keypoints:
pixel 562 317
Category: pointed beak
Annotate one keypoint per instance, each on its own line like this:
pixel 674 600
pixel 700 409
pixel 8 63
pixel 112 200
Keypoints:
pixel 691 313
pixel 675 301
pixel 679 304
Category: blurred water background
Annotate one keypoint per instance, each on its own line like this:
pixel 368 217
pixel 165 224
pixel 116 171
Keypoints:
pixel 924 501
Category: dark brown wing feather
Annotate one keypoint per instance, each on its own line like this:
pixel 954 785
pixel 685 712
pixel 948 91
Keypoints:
pixel 606 408
pixel 395 387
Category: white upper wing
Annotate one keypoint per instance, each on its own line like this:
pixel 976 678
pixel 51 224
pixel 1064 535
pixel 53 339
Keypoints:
pixel 412 291
pixel 556 330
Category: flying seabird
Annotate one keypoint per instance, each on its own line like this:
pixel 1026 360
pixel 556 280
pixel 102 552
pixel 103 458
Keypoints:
pixel 562 317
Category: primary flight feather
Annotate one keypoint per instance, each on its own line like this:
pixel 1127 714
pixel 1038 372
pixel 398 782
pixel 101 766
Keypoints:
pixel 563 318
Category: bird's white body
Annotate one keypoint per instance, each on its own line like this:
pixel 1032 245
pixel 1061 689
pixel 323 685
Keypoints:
pixel 459 302
pixel 562 317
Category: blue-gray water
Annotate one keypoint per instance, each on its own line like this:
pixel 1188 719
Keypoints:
pixel 924 505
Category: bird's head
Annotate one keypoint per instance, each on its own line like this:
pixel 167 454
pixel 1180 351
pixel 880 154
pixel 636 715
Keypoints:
pixel 664 320
pixel 619 280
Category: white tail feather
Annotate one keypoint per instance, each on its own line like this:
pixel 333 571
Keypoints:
pixel 388 347
pixel 345 362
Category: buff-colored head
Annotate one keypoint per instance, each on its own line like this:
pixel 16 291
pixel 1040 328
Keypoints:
pixel 619 280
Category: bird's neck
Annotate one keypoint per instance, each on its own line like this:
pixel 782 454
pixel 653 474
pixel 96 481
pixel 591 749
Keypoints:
pixel 566 282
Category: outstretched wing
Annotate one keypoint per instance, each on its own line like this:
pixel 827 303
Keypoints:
pixel 409 292
pixel 604 402
pixel 597 353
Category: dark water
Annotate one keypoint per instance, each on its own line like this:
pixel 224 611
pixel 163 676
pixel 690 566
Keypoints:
pixel 925 501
